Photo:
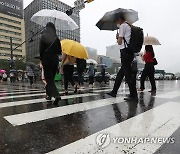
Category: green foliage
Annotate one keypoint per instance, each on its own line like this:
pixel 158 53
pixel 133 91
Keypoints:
pixel 18 64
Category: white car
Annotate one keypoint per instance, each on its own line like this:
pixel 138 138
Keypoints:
pixel 158 76
pixel 168 76
pixel 113 77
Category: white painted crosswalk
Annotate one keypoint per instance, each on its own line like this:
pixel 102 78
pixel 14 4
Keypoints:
pixel 21 119
pixel 160 121
pixel 141 126
pixel 41 100
pixel 18 92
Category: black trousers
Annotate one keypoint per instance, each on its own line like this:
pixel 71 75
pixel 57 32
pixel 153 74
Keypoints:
pixel 126 70
pixel 68 75
pixel 148 72
pixel 31 80
pixel 91 79
pixel 80 78
pixel 134 75
pixel 50 68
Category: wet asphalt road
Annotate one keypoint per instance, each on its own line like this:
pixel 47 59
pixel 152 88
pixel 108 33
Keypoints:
pixel 31 125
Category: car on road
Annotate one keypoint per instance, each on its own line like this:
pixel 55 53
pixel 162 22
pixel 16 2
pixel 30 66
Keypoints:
pixel 98 77
pixel 169 76
pixel 86 77
pixel 158 76
pixel 113 77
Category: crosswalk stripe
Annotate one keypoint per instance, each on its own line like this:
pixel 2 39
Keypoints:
pixel 21 96
pixel 21 119
pixel 18 90
pixel 158 122
pixel 169 95
pixel 105 90
pixel 34 101
pixel 13 93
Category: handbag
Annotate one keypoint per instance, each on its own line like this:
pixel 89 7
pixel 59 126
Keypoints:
pixel 155 61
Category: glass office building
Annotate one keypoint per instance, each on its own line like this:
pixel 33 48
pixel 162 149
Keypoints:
pixel 32 47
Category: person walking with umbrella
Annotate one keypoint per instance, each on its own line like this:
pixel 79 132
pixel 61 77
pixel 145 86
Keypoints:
pixel 67 68
pixel 127 57
pixel 30 74
pixel 149 69
pixel 71 51
pixel 91 74
pixel 50 48
pixel 103 73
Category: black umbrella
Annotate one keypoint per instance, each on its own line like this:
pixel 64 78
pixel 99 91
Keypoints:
pixel 12 70
pixel 107 22
pixel 32 65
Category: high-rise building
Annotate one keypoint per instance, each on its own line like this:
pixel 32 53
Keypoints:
pixel 113 52
pixel 92 53
pixel 11 26
pixel 32 47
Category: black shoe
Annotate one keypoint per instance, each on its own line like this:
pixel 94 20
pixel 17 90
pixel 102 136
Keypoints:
pixel 57 99
pixel 48 98
pixel 131 98
pixel 111 94
pixel 153 93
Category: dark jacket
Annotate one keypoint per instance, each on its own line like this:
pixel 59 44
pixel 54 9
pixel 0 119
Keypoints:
pixel 46 40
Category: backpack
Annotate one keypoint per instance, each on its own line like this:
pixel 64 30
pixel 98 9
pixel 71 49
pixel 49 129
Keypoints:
pixel 81 64
pixel 137 39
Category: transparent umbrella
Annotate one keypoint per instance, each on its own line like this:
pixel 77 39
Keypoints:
pixel 150 40
pixel 89 61
pixel 61 20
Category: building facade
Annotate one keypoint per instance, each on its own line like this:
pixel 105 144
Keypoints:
pixel 92 53
pixel 113 52
pixel 32 47
pixel 12 26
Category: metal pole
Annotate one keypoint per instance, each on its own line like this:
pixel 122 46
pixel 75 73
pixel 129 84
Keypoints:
pixel 11 48
pixel 11 64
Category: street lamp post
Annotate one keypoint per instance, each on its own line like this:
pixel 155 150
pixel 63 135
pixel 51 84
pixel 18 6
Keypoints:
pixel 11 56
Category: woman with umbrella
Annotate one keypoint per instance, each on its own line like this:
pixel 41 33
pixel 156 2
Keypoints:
pixel 50 48
pixel 149 70
pixel 71 51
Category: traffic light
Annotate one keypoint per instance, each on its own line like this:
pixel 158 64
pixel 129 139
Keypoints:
pixel 89 1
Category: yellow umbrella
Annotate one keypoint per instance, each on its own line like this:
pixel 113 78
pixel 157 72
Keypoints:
pixel 73 48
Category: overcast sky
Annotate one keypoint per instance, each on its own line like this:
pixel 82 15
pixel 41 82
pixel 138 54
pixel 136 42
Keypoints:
pixel 159 18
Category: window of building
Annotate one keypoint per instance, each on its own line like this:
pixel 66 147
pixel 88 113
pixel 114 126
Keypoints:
pixel 10 20
pixel 10 26
pixel 7 37
pixel 8 49
pixel 10 32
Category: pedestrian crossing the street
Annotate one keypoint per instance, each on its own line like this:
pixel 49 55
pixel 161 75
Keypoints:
pixel 89 122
